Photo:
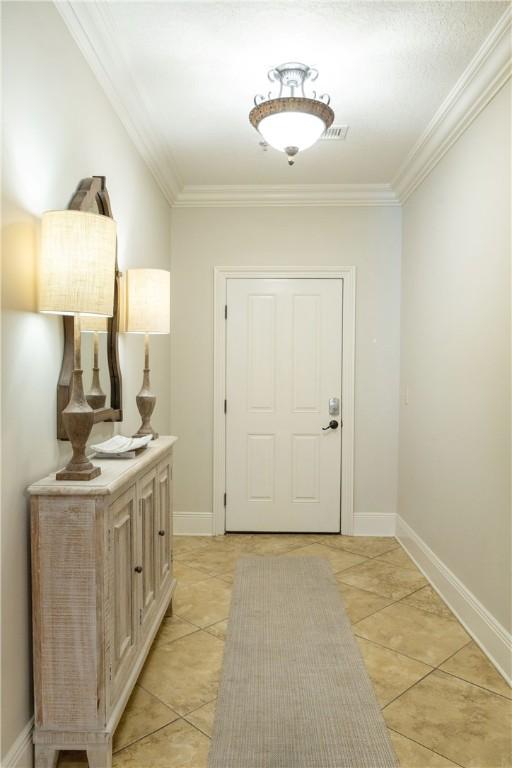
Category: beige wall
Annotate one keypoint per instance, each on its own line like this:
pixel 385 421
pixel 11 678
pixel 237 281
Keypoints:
pixel 455 360
pixel 366 237
pixel 58 128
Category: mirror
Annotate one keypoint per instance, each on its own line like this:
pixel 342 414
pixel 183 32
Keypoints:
pixel 95 361
pixel 100 356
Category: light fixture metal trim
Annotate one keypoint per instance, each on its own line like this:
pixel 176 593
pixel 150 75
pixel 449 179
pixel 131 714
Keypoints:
pixel 292 75
pixel 292 104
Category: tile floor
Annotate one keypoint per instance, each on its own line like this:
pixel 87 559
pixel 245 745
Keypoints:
pixel 443 702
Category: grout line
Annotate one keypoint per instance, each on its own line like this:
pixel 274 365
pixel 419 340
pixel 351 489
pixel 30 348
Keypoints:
pixel 197 729
pixel 197 710
pixel 198 629
pixel 214 624
pixel 452 618
pixel 400 653
pixel 470 682
pixel 200 707
pixel 369 557
pixel 140 738
pixel 425 747
pixel 393 602
pixel 156 646
pixel 178 716
pixel 190 622
pixel 408 689
pixel 453 654
pixel 158 699
pixel 150 733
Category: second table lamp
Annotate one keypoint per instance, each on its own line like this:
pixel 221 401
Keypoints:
pixel 148 311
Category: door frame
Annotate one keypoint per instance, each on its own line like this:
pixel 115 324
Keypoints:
pixel 221 276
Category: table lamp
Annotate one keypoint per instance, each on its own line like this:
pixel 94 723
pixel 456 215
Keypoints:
pixel 76 277
pixel 95 325
pixel 148 311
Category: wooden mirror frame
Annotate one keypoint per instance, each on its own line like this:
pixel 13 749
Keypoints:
pixel 91 195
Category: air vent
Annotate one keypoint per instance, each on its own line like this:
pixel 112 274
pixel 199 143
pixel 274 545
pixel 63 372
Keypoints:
pixel 335 133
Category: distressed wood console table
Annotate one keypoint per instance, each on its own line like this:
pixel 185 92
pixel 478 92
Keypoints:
pixel 101 584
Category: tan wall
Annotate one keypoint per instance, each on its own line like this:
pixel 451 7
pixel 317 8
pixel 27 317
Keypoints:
pixel 58 128
pixel 455 360
pixel 367 237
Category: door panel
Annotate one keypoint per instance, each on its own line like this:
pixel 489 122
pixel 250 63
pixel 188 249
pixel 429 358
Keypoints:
pixel 261 332
pixel 284 354
pixel 148 525
pixel 306 357
pixel 305 468
pixel 164 540
pixel 260 467
pixel 124 613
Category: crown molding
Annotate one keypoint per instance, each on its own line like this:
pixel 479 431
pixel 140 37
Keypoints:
pixel 485 75
pixel 291 195
pixel 93 29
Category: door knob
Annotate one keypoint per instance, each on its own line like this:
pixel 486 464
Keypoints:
pixel 138 569
pixel 332 425
pixel 161 533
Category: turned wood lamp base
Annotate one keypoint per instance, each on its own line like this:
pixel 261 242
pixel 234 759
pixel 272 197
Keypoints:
pixel 146 400
pixel 82 474
pixel 78 419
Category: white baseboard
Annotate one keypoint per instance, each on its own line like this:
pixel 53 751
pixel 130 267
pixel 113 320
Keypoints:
pixel 21 754
pixel 193 524
pixel 374 524
pixel 201 524
pixel 494 640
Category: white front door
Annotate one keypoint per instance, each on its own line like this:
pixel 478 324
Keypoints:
pixel 283 366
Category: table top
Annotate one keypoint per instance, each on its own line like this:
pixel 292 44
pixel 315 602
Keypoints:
pixel 114 473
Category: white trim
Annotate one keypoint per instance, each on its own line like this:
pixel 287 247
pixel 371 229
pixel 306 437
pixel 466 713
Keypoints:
pixel 192 523
pixel 486 73
pixel 374 524
pixel 221 276
pixel 94 31
pixel 93 28
pixel 494 640
pixel 21 754
pixel 292 195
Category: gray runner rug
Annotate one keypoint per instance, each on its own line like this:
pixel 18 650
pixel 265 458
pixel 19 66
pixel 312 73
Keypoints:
pixel 294 691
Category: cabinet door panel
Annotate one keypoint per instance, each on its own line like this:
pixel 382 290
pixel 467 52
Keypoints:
pixel 148 527
pixel 165 522
pixel 123 599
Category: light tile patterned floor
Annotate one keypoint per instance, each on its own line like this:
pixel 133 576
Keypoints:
pixel 444 703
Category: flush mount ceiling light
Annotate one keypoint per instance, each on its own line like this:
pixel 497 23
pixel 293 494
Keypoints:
pixel 291 123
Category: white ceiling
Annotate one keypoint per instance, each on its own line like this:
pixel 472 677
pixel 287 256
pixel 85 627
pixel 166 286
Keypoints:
pixel 197 65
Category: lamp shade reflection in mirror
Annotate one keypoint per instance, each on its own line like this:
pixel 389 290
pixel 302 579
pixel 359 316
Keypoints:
pixel 95 326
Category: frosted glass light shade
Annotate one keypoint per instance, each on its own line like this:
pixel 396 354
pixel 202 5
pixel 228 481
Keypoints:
pixel 148 304
pixel 77 263
pixel 291 129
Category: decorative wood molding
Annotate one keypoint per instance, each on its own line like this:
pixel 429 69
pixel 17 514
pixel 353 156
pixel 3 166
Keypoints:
pixel 494 640
pixel 93 29
pixel 487 72
pixel 292 195
pixel 221 276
